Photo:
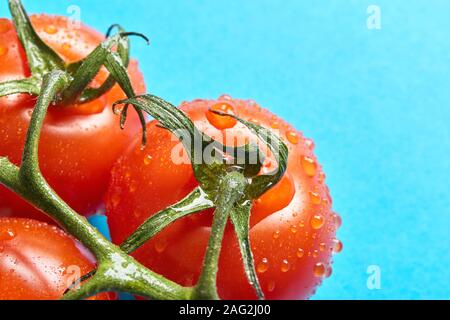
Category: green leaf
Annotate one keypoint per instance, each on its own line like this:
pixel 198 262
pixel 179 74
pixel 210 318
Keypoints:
pixel 41 58
pixel 240 216
pixel 196 201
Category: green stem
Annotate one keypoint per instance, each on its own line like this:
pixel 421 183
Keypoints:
pixel 195 202
pixel 230 192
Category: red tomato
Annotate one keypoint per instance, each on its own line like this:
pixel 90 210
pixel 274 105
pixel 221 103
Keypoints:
pixel 79 143
pixel 293 226
pixel 39 262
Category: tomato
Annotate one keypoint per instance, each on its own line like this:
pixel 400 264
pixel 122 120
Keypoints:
pixel 39 261
pixel 79 143
pixel 293 226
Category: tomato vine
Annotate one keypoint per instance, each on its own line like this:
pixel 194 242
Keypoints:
pixel 229 186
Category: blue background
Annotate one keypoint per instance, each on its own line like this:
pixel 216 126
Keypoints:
pixel 375 101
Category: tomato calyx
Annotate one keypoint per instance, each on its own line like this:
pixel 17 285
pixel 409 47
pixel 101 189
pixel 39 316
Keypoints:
pixel 43 60
pixel 229 181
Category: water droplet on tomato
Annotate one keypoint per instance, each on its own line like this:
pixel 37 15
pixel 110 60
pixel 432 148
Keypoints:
pixel 285 266
pixel 319 270
pixel 329 272
pixel 293 137
pixel 322 246
pixel 221 122
pixel 337 220
pixel 300 253
pixel 315 198
pixel 51 29
pixel 276 235
pixel 226 97
pixel 309 166
pixel 147 160
pixel 315 253
pixel 275 125
pixel 317 222
pixel 338 246
pixel 321 178
pixel 310 144
pixel 263 266
pixel 66 46
pixel 7 235
pixel 294 229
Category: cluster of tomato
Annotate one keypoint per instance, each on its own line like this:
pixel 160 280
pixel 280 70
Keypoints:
pixel 293 226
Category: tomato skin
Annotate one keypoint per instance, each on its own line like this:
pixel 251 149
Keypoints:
pixel 293 226
pixel 38 261
pixel 79 143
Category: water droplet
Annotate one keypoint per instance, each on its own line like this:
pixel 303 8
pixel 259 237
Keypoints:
pixel 226 97
pixel 315 198
pixel 329 272
pixel 322 246
pixel 294 229
pixel 147 160
pixel 3 51
pixel 337 220
pixel 319 270
pixel 276 235
pixel 51 29
pixel 263 266
pixel 309 166
pixel 315 253
pixel 293 137
pixel 285 266
pixel 271 286
pixel 338 246
pixel 66 46
pixel 321 178
pixel 310 144
pixel 221 122
pixel 275 125
pixel 7 235
pixel 300 253
pixel 317 222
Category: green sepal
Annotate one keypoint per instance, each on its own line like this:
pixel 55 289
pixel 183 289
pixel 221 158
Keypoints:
pixel 240 217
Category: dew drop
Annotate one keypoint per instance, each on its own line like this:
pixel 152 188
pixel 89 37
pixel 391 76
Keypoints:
pixel 293 137
pixel 315 198
pixel 322 247
pixel 337 220
pixel 51 29
pixel 276 235
pixel 315 253
pixel 7 235
pixel 285 266
pixel 147 160
pixel 221 122
pixel 294 229
pixel 263 266
pixel 226 97
pixel 317 222
pixel 319 270
pixel 66 47
pixel 337 246
pixel 300 253
pixel 309 166
pixel 275 125
pixel 310 144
